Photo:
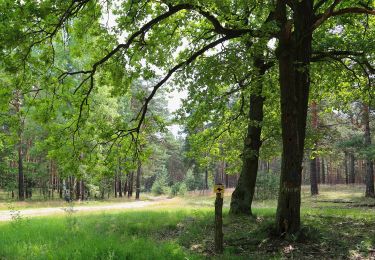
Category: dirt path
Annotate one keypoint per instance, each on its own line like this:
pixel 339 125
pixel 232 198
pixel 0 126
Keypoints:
pixel 6 215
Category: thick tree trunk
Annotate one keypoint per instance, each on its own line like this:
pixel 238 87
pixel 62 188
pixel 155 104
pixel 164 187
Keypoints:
pixel 369 164
pixel 138 182
pixel 243 194
pixel 294 54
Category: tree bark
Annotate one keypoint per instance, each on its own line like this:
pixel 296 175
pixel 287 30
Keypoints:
pixel 243 194
pixel 294 54
pixel 314 161
pixel 369 164
pixel 313 177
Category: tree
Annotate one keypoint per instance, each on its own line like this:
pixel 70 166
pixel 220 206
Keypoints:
pixel 154 33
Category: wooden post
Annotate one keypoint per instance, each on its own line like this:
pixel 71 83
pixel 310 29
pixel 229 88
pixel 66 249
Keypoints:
pixel 219 190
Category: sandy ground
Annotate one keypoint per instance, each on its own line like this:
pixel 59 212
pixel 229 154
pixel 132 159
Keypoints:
pixel 6 215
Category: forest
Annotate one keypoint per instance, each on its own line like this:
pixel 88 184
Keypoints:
pixel 121 119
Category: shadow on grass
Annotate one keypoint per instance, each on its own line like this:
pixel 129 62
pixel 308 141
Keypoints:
pixel 186 234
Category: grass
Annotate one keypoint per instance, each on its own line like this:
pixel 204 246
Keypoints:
pixel 337 224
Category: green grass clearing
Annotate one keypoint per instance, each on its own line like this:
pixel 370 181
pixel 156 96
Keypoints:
pixel 182 228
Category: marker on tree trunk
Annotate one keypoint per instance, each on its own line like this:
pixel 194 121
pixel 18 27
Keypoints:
pixel 219 190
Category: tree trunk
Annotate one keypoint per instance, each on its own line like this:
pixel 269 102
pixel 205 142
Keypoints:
pixel 318 170
pixel 130 185
pixel 61 187
pixel 78 189
pixel 206 179
pixel 313 177
pixel 314 161
pixel 351 168
pixel 126 184
pixel 138 182
pixel 119 178
pixel 323 171
pixel 21 181
pixel 346 168
pixel 294 54
pixel 82 190
pixel 243 194
pixel 115 186
pixel 369 164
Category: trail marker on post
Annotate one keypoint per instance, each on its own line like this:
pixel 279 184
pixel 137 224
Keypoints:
pixel 219 190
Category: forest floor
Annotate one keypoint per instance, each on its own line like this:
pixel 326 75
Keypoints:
pixel 337 224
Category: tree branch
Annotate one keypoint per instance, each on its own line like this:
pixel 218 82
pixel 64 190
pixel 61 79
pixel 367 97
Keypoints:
pixel 321 18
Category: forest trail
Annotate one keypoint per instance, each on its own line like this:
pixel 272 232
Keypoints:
pixel 6 215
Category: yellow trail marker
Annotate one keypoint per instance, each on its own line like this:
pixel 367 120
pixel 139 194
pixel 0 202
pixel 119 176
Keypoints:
pixel 219 188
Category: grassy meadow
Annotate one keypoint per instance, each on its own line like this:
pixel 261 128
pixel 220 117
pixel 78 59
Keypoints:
pixel 337 224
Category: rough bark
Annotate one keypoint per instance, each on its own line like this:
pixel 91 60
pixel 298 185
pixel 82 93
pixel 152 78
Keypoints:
pixel 369 179
pixel 243 194
pixel 294 54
